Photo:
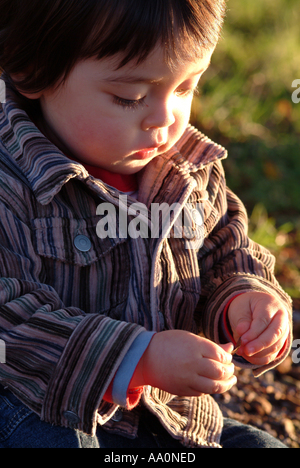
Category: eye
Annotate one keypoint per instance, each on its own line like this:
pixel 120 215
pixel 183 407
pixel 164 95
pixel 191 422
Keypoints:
pixel 128 103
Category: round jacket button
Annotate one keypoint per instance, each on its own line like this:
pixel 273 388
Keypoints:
pixel 82 243
pixel 71 417
pixel 118 416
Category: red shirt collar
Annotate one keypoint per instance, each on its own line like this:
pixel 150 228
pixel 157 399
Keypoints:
pixel 122 182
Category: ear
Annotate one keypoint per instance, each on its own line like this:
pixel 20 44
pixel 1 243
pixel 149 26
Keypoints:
pixel 18 77
pixel 30 95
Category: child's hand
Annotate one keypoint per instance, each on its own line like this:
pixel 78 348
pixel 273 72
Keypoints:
pixel 185 364
pixel 263 325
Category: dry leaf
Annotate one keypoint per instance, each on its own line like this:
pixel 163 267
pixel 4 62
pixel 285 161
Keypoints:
pixel 237 347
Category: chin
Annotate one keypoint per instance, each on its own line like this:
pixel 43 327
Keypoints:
pixel 134 168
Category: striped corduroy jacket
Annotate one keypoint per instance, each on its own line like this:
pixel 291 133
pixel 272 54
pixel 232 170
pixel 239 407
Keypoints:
pixel 69 317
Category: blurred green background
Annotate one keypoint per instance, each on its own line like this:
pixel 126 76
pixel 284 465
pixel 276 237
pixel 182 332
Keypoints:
pixel 246 105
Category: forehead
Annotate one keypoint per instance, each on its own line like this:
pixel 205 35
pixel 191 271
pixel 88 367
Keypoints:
pixel 152 70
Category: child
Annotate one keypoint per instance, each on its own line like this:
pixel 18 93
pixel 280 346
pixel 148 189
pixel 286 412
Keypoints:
pixel 102 333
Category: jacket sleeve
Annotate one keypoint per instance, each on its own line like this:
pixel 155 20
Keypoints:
pixel 231 263
pixel 59 360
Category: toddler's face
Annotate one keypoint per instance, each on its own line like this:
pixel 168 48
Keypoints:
pixel 121 119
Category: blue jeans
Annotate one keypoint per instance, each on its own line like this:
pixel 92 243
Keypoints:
pixel 21 428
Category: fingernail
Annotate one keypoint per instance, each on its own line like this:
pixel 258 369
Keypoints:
pixel 227 358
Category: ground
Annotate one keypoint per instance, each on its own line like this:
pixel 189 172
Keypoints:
pixel 272 401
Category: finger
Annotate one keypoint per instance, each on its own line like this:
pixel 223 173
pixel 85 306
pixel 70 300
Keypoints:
pixel 274 333
pixel 261 361
pixel 228 347
pixel 274 349
pixel 258 326
pixel 212 387
pixel 215 370
pixel 242 327
pixel 267 355
pixel 262 318
pixel 217 353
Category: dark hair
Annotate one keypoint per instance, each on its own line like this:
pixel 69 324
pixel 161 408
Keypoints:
pixel 42 40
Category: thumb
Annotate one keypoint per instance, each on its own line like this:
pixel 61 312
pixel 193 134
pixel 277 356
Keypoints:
pixel 228 347
pixel 242 327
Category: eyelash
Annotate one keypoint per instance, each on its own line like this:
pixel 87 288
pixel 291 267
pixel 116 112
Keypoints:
pixel 135 104
pixel 129 104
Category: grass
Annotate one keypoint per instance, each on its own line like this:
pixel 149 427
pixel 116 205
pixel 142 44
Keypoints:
pixel 245 103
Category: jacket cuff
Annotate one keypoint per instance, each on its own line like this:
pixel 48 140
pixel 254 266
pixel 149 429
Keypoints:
pixel 122 393
pixel 89 361
pixel 225 332
pixel 230 288
pixel 119 391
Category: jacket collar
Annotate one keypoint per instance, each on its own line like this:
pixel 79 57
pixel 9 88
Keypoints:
pixel 47 169
pixel 173 171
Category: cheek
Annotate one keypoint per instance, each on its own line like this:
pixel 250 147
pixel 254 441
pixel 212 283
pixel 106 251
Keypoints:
pixel 99 134
pixel 182 119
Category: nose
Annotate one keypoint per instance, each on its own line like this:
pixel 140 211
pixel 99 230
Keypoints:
pixel 160 115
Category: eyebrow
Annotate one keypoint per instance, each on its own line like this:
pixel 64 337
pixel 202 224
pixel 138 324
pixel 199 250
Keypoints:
pixel 140 79
pixel 132 80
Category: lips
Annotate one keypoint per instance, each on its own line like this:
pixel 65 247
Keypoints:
pixel 146 153
pixel 149 152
